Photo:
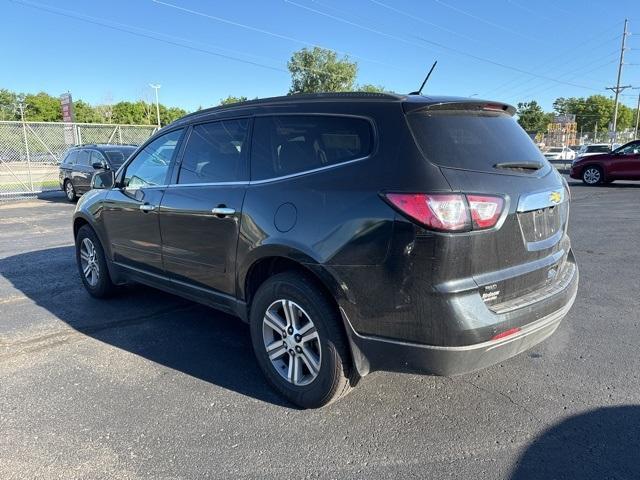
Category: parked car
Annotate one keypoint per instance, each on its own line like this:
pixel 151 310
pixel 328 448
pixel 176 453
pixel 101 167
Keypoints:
pixel 559 153
pixel 593 149
pixel 623 163
pixel 81 162
pixel 353 232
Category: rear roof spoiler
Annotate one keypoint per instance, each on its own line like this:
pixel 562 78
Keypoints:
pixel 462 104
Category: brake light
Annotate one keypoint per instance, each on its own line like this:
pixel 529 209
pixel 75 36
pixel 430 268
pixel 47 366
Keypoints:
pixel 447 212
pixel 451 212
pixel 485 210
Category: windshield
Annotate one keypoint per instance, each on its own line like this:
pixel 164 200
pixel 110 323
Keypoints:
pixel 118 156
pixel 472 140
pixel 555 150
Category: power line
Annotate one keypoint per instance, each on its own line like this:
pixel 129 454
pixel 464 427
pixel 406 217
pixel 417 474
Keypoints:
pixel 261 30
pixel 554 60
pixel 150 34
pixel 543 88
pixel 437 44
pixel 422 20
pixel 483 20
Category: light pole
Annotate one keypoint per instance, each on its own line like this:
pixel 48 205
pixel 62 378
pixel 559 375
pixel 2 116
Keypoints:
pixel 156 87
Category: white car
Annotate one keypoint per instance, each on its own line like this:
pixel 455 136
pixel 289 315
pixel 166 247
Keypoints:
pixel 593 149
pixel 559 153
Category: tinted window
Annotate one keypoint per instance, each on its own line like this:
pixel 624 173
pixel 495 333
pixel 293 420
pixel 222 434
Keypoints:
pixel 630 149
pixel 151 165
pixel 215 152
pixel 283 145
pixel 71 157
pixel 597 149
pixel 119 156
pixel 96 157
pixel 83 158
pixel 472 140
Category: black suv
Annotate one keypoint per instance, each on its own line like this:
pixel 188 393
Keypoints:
pixel 82 161
pixel 353 232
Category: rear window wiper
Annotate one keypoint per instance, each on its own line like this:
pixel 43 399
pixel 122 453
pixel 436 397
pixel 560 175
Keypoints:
pixel 519 165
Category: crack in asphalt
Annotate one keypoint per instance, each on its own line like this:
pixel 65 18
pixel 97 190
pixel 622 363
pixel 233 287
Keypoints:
pixel 62 336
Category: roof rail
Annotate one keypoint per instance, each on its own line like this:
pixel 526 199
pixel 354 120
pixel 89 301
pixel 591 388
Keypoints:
pixel 298 97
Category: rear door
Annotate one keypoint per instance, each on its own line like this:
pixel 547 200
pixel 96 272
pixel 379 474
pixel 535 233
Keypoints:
pixel 624 163
pixel 82 171
pixel 201 210
pixel 487 152
pixel 131 208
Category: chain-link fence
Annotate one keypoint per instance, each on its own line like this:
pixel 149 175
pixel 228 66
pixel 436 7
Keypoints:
pixel 30 152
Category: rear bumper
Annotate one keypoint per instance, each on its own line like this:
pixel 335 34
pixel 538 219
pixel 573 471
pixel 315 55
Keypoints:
pixel 375 353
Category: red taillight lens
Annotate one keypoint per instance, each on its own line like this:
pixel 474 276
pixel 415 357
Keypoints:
pixel 447 212
pixel 450 212
pixel 485 210
pixel 506 333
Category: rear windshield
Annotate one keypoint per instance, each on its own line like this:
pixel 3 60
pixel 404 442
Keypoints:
pixel 118 156
pixel 472 140
pixel 597 149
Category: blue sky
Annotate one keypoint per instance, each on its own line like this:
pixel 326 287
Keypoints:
pixel 212 49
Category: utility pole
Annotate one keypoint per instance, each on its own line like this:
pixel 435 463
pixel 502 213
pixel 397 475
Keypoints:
pixel 156 87
pixel 21 106
pixel 619 89
pixel 635 134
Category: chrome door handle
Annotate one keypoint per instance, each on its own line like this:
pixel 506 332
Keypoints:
pixel 147 208
pixel 223 211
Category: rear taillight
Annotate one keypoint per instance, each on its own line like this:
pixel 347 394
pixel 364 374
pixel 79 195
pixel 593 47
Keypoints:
pixel 485 210
pixel 449 212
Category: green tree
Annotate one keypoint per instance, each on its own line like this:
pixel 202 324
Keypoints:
pixel 170 114
pixel 42 107
pixel 85 113
pixel 531 117
pixel 596 110
pixel 130 112
pixel 320 70
pixel 370 88
pixel 231 99
pixel 7 104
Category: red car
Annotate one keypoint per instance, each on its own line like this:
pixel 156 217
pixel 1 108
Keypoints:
pixel 623 163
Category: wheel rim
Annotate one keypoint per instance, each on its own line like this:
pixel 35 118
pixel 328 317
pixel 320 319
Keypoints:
pixel 69 190
pixel 591 175
pixel 292 343
pixel 89 262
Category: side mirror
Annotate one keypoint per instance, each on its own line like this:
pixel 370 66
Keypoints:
pixel 103 180
pixel 99 165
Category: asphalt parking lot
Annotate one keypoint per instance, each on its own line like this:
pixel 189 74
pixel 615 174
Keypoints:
pixel 148 385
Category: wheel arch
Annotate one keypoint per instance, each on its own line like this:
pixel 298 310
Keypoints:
pixel 263 267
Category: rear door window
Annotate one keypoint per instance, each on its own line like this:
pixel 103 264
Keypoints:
pixel 472 140
pixel 287 144
pixel 71 157
pixel 215 152
pixel 83 158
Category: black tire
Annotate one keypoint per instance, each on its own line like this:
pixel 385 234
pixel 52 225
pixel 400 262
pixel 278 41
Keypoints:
pixel 334 377
pixel 592 175
pixel 103 286
pixel 70 191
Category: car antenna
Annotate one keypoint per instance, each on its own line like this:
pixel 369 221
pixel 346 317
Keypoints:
pixel 419 92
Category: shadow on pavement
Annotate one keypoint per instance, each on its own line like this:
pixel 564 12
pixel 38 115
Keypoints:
pixel 616 184
pixel 603 443
pixel 160 327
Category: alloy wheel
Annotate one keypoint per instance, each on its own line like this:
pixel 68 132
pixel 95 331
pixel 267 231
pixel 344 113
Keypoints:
pixel 89 262
pixel 591 176
pixel 291 342
pixel 69 191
